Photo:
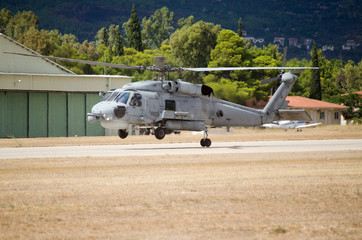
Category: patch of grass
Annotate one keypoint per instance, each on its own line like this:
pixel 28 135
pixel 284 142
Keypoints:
pixel 147 205
pixel 17 142
pixel 279 229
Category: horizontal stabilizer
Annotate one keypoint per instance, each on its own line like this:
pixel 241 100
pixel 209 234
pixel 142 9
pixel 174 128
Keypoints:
pixel 308 125
pixel 300 115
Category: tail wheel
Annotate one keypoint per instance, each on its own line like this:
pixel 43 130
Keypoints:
pixel 160 133
pixel 205 142
pixel 122 133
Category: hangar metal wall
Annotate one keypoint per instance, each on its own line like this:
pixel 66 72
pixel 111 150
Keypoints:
pixel 38 121
pixel 76 114
pixel 57 114
pixel 47 114
pixel 13 114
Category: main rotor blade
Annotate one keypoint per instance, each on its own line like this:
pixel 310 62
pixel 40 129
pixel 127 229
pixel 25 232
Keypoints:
pixel 299 71
pixel 79 61
pixel 243 68
pixel 155 68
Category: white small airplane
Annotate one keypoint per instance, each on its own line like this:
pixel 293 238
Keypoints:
pixel 290 125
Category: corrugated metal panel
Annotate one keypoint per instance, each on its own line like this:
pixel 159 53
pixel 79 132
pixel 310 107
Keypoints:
pixel 93 129
pixel 47 114
pixel 15 114
pixel 2 114
pixel 38 122
pixel 76 114
pixel 57 115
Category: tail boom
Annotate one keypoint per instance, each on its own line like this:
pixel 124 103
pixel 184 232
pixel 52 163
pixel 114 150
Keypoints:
pixel 276 102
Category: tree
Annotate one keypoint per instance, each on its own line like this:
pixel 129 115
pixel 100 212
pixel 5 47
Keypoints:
pixel 237 86
pixel 353 76
pixel 133 57
pixel 240 28
pixel 21 23
pixel 133 31
pixel 353 102
pixel 193 44
pixel 229 50
pixel 70 39
pixel 5 16
pixel 39 41
pixel 185 22
pixel 157 27
pixel 56 37
pixel 89 51
pixel 116 40
pixel 102 37
pixel 315 80
pixel 328 74
pixel 228 90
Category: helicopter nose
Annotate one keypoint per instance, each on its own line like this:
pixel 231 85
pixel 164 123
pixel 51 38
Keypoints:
pixel 103 110
pixel 119 111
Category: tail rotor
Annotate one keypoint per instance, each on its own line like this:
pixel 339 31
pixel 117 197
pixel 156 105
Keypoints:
pixel 279 76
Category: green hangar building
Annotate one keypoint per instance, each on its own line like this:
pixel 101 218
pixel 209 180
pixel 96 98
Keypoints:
pixel 40 98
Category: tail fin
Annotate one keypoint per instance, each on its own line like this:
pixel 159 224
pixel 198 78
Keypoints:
pixel 270 110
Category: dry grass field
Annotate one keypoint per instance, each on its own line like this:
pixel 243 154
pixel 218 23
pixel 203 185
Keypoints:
pixel 311 195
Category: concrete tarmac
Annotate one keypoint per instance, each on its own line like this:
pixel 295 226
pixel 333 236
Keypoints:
pixel 160 149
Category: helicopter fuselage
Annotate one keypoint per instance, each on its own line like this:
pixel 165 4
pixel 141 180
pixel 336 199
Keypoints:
pixel 166 106
pixel 151 104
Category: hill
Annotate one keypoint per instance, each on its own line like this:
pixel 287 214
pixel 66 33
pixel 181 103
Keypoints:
pixel 326 22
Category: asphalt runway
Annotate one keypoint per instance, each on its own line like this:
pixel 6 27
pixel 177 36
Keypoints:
pixel 181 149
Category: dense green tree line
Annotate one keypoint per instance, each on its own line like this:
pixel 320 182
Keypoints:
pixel 188 44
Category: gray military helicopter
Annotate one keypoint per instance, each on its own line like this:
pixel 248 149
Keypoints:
pixel 164 106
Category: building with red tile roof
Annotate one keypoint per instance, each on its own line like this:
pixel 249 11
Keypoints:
pixel 319 111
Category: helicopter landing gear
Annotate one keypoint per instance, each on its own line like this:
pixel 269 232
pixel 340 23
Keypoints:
pixel 205 142
pixel 160 133
pixel 122 133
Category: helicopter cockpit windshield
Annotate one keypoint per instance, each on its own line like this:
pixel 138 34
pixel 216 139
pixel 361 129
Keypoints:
pixel 123 97
pixel 113 96
pixel 107 95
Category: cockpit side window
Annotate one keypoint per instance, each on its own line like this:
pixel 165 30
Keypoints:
pixel 136 100
pixel 123 97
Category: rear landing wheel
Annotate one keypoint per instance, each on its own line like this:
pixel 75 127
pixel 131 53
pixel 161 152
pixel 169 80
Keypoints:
pixel 122 133
pixel 205 142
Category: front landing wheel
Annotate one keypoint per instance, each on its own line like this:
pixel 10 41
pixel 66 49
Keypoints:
pixel 122 133
pixel 205 142
pixel 160 133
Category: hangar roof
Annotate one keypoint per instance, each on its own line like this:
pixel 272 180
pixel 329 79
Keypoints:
pixel 21 73
pixel 10 63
